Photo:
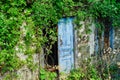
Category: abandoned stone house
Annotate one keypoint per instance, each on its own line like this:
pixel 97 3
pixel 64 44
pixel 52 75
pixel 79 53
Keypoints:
pixel 68 51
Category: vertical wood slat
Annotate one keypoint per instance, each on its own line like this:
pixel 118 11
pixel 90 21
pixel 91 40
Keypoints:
pixel 111 37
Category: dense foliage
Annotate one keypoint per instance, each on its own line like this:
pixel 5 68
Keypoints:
pixel 40 18
pixel 95 71
pixel 86 71
pixel 11 18
pixel 47 75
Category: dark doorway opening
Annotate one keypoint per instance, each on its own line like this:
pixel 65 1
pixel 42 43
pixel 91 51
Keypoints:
pixel 51 60
pixel 50 49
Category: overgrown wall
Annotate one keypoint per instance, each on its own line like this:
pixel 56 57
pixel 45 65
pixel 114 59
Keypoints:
pixel 32 62
pixel 87 45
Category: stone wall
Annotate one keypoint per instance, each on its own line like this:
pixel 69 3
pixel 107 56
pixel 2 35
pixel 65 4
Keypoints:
pixel 85 44
pixel 24 73
pixel 117 43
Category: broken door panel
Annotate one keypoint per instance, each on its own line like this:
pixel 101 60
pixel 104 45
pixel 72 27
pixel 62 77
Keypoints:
pixel 65 45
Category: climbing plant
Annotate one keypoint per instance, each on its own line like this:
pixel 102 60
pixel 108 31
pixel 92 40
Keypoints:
pixel 40 18
pixel 11 18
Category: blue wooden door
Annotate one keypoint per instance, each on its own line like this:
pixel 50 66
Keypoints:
pixel 65 45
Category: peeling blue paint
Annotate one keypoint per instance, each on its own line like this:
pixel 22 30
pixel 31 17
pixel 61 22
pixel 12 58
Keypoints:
pixel 65 45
